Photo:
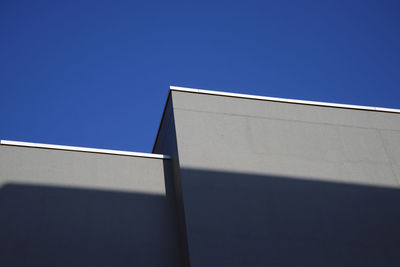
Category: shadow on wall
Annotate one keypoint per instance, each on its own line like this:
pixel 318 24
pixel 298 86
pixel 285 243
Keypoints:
pixel 238 219
pixel 55 226
pixel 233 219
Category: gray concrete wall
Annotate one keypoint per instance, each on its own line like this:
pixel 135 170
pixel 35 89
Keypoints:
pixel 277 184
pixel 250 183
pixel 65 208
pixel 166 143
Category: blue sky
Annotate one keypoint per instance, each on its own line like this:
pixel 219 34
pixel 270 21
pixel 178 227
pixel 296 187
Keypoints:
pixel 97 73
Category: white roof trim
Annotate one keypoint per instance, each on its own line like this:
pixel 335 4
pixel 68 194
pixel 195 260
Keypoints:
pixel 85 149
pixel 276 99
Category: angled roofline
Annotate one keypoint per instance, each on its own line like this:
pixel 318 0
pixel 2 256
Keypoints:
pixel 161 121
pixel 285 100
pixel 84 149
pixel 265 98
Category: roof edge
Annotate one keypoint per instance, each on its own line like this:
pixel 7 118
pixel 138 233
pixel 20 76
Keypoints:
pixel 161 122
pixel 285 100
pixel 84 149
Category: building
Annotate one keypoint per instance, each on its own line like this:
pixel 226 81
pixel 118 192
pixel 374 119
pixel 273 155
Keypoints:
pixel 235 180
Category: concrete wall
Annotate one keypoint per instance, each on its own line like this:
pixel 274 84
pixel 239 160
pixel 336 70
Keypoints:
pixel 249 183
pixel 65 208
pixel 278 184
pixel 166 143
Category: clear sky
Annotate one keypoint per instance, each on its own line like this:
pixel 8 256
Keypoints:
pixel 97 73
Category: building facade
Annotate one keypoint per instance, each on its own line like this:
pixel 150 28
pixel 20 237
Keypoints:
pixel 235 180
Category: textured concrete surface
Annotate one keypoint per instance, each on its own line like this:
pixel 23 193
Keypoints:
pixel 250 183
pixel 63 208
pixel 166 143
pixel 276 184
